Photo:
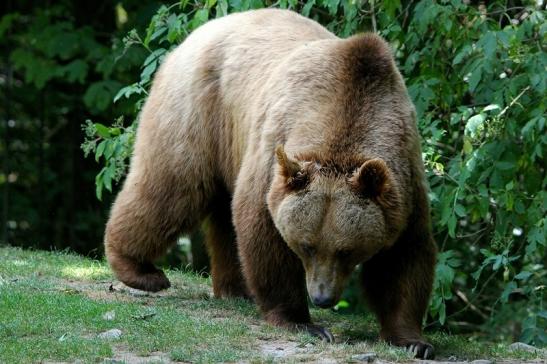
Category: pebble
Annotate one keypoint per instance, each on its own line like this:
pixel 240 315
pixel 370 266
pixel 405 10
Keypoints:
pixel 112 334
pixel 367 357
pixel 522 346
pixel 482 361
pixel 109 316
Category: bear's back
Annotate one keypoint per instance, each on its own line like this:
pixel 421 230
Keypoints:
pixel 238 51
pixel 206 86
pixel 243 83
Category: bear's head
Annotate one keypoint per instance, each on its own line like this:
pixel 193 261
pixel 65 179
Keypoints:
pixel 333 214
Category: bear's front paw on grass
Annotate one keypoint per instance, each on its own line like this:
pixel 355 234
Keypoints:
pixel 420 349
pixel 317 331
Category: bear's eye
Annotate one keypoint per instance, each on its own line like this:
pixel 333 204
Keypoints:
pixel 308 249
pixel 344 254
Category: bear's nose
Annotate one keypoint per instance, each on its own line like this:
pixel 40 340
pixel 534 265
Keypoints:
pixel 323 301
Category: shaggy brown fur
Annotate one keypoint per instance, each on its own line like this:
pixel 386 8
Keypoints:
pixel 307 143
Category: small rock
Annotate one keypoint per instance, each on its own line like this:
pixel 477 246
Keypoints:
pixel 522 346
pixel 110 334
pixel 367 357
pixel 137 292
pixel 452 358
pixel 109 316
pixel 482 361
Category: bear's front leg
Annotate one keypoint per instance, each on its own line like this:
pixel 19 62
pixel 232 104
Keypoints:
pixel 397 284
pixel 273 273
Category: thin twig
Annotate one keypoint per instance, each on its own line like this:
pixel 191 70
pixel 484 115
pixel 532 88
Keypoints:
pixel 513 101
pixel 506 10
pixel 441 145
pixel 474 308
pixel 477 295
pixel 373 16
pixel 472 234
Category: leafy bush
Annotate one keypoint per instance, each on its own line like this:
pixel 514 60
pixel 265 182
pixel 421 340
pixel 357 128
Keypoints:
pixel 476 74
pixel 59 65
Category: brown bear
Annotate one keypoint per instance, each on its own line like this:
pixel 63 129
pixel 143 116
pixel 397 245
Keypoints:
pixel 301 150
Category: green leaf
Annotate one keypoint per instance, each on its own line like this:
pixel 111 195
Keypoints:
pixel 99 95
pixel 306 9
pixel 148 71
pixel 491 107
pixel 452 225
pixel 108 176
pixel 475 78
pixel 464 52
pixel 505 165
pixel 100 150
pixel 509 288
pixel 222 8
pixel 76 71
pixel 488 43
pixel 127 91
pixel 537 235
pixel 391 7
pixel 200 17
pixel 523 275
pixel 109 149
pixel 332 5
pixel 99 185
pixel 474 125
pixel 442 314
pixel 155 56
pixel 341 304
pixel 102 131
pixel 460 210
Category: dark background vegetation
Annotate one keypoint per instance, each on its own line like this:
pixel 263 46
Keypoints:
pixel 476 73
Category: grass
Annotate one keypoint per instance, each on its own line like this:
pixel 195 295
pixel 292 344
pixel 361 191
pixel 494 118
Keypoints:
pixel 53 306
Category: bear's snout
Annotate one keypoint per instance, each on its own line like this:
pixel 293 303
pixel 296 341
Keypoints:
pixel 323 287
pixel 323 301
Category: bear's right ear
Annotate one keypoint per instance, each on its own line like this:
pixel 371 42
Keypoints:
pixel 372 179
pixel 291 170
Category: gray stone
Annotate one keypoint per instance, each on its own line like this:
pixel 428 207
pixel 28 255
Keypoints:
pixel 112 334
pixel 367 357
pixel 523 347
pixel 109 316
pixel 482 361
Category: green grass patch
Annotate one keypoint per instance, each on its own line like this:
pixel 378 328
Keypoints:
pixel 53 306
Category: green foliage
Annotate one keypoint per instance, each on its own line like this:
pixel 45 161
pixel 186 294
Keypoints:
pixel 476 74
pixel 62 62
pixel 111 144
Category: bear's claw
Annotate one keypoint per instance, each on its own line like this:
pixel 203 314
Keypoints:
pixel 318 331
pixel 421 350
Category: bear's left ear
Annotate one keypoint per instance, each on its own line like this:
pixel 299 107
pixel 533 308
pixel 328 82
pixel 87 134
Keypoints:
pixel 372 179
pixel 295 176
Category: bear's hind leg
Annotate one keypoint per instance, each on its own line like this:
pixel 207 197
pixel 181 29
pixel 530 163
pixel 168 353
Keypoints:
pixel 149 214
pixel 220 241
